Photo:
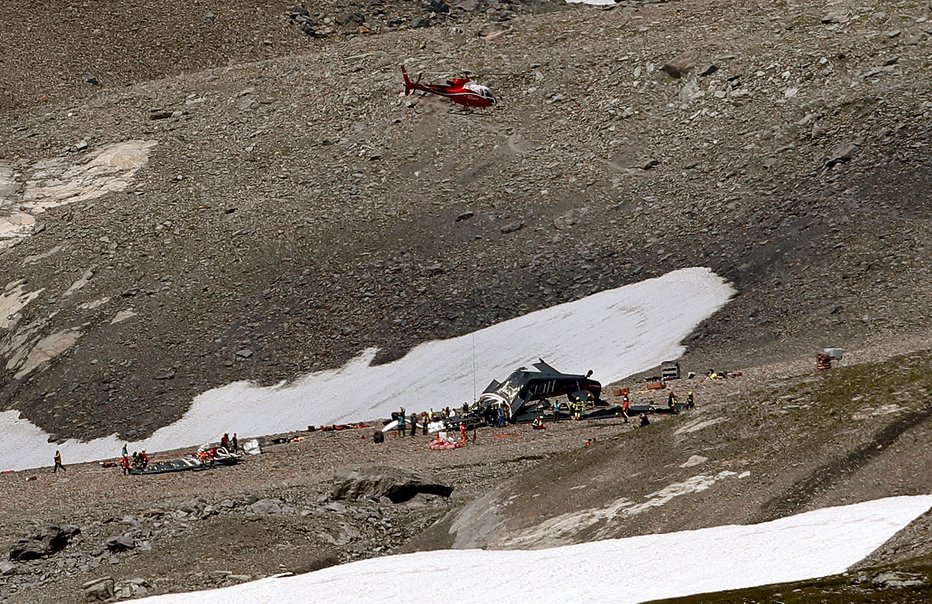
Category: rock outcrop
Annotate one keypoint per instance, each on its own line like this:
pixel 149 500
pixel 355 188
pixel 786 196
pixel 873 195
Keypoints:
pixel 44 542
pixel 375 482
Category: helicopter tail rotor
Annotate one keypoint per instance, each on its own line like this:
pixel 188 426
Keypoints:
pixel 408 85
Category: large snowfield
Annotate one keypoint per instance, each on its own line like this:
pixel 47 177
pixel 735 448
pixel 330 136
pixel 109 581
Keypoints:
pixel 637 569
pixel 615 333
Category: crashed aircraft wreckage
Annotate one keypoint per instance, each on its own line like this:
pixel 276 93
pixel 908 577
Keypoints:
pixel 219 456
pixel 526 394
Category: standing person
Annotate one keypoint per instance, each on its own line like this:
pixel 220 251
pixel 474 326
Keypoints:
pixel 501 419
pixel 413 424
pixel 556 411
pixel 235 443
pixel 124 464
pixel 424 426
pixel 671 400
pixel 225 440
pixel 463 437
pixel 625 407
pixel 401 422
pixel 690 400
pixel 124 453
pixel 58 463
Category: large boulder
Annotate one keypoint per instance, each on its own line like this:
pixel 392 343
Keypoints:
pixel 267 507
pixel 681 64
pixel 131 588
pixel 99 590
pixel 44 542
pixel 373 482
pixel 121 543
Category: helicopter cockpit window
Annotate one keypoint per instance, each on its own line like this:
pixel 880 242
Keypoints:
pixel 480 90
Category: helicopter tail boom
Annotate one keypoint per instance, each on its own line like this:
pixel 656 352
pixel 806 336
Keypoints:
pixel 409 86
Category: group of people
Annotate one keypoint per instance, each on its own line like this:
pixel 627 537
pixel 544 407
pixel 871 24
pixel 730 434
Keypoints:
pixel 406 424
pixel 228 443
pixel 208 455
pixel 410 424
pixel 441 441
pixel 672 401
pixel 139 460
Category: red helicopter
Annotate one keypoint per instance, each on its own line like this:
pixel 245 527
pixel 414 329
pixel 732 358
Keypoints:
pixel 462 91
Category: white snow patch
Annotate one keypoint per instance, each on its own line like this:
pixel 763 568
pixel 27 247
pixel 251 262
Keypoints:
pixel 12 300
pixel 122 316
pixel 47 349
pixel 85 278
pixel 694 460
pixel 56 181
pixel 17 224
pixel 7 182
pixel 806 546
pixel 37 257
pixel 63 180
pixel 695 484
pixel 698 424
pixel 94 303
pixel 615 333
pixel 564 528
pixel 870 412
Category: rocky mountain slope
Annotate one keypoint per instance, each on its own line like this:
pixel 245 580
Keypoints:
pixel 280 215
pixel 771 443
pixel 778 440
pixel 237 197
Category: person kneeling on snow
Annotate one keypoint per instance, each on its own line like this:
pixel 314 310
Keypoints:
pixel 538 423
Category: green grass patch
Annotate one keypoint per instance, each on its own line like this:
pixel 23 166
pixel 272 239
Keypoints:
pixel 851 588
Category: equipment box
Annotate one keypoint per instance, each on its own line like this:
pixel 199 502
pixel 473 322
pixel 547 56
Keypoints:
pixel 670 370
